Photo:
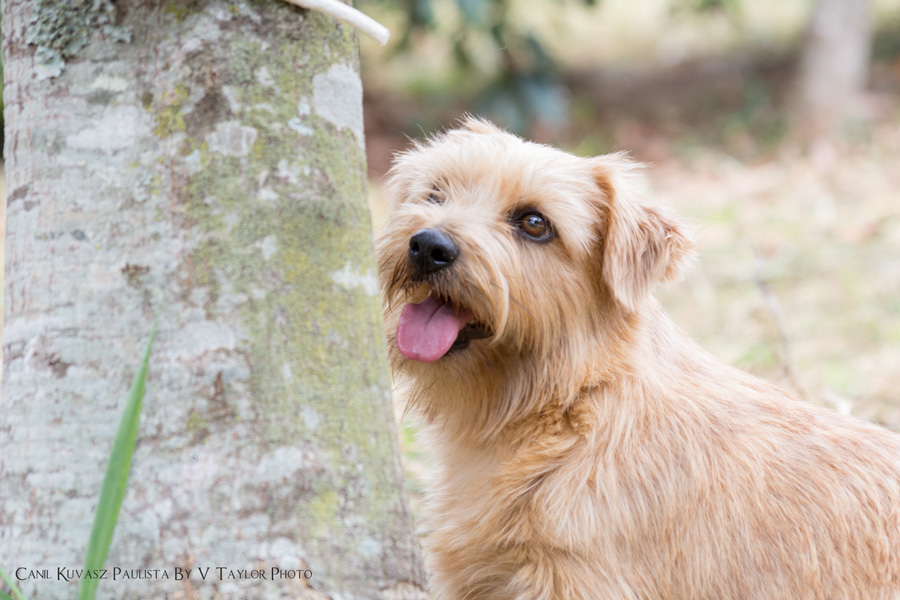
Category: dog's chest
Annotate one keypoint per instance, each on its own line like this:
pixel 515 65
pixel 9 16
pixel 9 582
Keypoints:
pixel 462 488
pixel 508 496
pixel 492 510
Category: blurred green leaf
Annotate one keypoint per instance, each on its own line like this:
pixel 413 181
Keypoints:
pixel 727 7
pixel 461 54
pixel 497 33
pixel 474 11
pixel 541 61
pixel 17 593
pixel 421 13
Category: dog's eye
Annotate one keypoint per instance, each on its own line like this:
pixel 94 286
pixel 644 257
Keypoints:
pixel 436 196
pixel 534 226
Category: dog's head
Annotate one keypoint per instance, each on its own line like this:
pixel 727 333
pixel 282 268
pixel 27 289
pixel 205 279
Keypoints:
pixel 498 249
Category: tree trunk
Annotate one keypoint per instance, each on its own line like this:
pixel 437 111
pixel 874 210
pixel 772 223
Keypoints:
pixel 200 160
pixel 833 67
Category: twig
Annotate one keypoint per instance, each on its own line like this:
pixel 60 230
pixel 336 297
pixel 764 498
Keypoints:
pixel 349 15
pixel 771 301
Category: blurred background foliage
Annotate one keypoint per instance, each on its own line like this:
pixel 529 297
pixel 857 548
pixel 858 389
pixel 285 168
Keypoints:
pixel 783 154
pixel 588 73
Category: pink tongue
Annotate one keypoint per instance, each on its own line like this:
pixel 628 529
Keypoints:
pixel 427 330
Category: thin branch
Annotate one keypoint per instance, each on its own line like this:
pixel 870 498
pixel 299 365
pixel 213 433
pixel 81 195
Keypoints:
pixel 349 15
pixel 771 301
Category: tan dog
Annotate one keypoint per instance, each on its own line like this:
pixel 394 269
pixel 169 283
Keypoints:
pixel 587 448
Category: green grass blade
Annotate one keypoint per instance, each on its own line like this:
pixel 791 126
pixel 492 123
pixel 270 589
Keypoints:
pixel 17 593
pixel 116 479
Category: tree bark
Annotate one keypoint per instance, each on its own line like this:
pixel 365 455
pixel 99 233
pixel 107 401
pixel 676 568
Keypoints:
pixel 200 160
pixel 833 67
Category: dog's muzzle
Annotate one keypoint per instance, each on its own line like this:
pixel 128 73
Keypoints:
pixel 431 250
pixel 438 325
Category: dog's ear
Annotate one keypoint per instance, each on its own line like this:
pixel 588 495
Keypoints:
pixel 642 244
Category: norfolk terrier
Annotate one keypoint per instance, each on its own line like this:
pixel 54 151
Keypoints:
pixel 587 448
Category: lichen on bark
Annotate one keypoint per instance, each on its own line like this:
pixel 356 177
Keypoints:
pixel 62 28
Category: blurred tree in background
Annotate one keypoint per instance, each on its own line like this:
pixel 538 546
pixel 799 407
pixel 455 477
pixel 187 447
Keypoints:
pixel 833 67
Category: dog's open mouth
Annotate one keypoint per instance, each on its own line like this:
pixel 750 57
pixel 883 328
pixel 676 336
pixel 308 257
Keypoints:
pixel 434 328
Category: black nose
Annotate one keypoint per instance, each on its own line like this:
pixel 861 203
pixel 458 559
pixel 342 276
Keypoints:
pixel 431 250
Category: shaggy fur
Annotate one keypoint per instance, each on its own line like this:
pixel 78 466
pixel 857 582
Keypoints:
pixel 588 449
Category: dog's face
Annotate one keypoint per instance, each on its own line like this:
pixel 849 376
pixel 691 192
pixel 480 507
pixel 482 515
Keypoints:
pixel 498 249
